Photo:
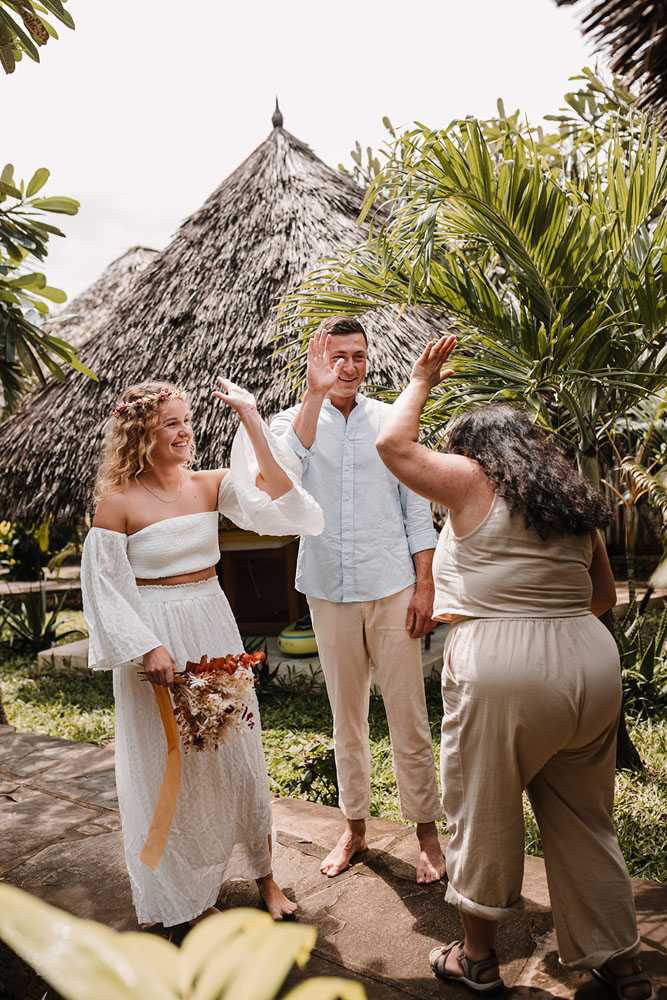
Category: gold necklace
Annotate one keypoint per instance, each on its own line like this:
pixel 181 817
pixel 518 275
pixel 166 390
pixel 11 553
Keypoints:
pixel 161 499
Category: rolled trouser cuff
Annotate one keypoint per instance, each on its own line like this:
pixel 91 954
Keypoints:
pixel 495 913
pixel 599 958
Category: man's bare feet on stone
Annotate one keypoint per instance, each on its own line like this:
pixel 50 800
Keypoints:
pixel 431 864
pixel 277 903
pixel 211 912
pixel 352 842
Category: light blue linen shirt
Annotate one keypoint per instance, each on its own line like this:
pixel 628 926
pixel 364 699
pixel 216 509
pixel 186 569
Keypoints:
pixel 373 524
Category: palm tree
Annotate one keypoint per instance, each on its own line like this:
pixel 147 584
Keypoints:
pixel 557 287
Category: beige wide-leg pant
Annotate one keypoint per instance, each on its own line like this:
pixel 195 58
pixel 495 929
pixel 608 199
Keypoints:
pixel 350 637
pixel 533 704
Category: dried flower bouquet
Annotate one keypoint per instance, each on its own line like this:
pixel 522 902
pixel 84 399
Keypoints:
pixel 211 699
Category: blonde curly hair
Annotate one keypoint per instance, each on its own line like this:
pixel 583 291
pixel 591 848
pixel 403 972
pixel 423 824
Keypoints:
pixel 130 436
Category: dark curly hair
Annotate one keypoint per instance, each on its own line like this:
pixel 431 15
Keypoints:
pixel 527 469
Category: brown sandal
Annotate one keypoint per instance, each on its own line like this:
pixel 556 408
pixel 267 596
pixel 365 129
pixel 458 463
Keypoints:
pixel 620 983
pixel 470 971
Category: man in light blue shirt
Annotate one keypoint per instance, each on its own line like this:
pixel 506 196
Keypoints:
pixel 368 582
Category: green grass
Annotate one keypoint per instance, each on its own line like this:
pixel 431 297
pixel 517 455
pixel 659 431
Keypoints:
pixel 67 703
pixel 297 742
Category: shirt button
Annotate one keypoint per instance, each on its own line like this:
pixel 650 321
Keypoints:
pixel 347 498
pixel 347 468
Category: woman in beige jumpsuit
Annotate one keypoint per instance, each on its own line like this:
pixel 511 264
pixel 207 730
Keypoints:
pixel 531 684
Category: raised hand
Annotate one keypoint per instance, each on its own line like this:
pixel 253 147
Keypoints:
pixel 428 367
pixel 239 399
pixel 320 376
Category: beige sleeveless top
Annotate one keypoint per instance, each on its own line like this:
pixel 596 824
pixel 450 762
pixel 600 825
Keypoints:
pixel 501 569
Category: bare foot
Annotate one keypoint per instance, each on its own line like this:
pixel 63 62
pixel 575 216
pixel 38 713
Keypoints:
pixel 212 910
pixel 277 903
pixel 338 860
pixel 431 864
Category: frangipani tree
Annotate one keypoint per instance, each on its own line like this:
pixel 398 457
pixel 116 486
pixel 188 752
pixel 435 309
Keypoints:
pixel 25 26
pixel 556 285
pixel 26 349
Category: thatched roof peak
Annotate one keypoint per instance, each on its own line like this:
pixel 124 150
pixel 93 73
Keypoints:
pixel 277 117
pixel 204 306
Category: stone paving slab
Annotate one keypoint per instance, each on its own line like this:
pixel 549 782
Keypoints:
pixel 86 877
pixel 59 829
pixel 41 819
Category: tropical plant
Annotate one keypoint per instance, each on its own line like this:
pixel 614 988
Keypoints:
pixel 633 33
pixel 241 953
pixel 556 286
pixel 32 627
pixel 643 661
pixel 34 31
pixel 26 350
pixel 639 444
pixel 24 549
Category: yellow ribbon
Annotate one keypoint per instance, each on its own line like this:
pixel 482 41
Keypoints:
pixel 165 807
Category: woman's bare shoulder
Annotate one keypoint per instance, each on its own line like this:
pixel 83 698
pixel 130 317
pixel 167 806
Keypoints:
pixel 209 477
pixel 112 511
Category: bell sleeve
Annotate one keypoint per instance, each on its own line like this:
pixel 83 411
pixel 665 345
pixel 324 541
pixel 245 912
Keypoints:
pixel 118 625
pixel 239 499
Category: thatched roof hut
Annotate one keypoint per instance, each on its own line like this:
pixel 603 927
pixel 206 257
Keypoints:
pixel 203 307
pixel 92 310
pixel 633 33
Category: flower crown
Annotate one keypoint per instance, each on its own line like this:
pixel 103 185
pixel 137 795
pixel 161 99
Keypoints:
pixel 152 397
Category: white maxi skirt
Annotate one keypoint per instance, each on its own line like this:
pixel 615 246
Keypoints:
pixel 223 816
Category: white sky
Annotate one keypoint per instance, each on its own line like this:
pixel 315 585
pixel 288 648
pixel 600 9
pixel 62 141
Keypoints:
pixel 144 109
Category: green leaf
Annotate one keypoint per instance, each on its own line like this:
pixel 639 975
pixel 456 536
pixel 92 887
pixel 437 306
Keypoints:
pixel 56 7
pixel 65 206
pixel 34 281
pixel 53 294
pixel 9 189
pixel 37 181
pixel 78 366
pixel 26 42
pixel 6 53
pixel 70 953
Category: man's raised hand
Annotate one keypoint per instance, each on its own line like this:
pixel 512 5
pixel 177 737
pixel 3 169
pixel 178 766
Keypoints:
pixel 320 376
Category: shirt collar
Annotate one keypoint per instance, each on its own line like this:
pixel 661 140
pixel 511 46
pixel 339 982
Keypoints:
pixel 359 399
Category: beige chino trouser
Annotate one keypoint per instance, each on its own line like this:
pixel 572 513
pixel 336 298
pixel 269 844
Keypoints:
pixel 350 637
pixel 533 704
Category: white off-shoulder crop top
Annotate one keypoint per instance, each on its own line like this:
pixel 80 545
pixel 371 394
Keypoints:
pixel 175 546
pixel 119 627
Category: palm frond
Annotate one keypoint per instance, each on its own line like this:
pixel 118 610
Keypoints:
pixel 651 485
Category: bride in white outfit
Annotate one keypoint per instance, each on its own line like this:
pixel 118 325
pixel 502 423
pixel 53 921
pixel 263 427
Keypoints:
pixel 152 601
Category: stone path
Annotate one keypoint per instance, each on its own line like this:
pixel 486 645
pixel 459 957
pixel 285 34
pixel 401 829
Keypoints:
pixel 60 839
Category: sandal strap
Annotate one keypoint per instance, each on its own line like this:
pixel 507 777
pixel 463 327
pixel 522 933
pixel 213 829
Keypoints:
pixel 619 983
pixel 472 970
